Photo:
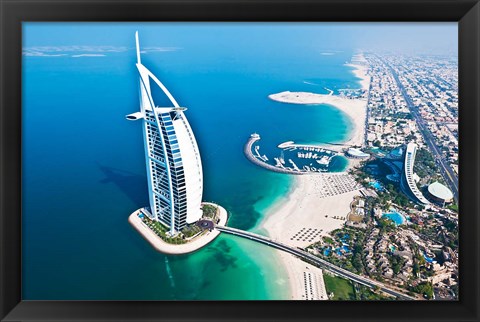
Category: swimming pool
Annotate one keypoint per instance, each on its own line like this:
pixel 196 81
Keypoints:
pixel 377 185
pixel 428 259
pixel 396 217
pixel 345 238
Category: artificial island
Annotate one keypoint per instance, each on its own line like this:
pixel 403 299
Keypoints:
pixel 176 221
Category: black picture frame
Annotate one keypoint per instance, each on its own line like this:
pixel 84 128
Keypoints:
pixel 14 12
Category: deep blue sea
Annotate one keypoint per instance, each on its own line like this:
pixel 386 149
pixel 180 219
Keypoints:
pixel 84 171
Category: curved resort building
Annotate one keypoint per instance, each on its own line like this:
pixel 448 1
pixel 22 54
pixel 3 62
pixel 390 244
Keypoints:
pixel 440 194
pixel 356 154
pixel 174 169
pixel 407 182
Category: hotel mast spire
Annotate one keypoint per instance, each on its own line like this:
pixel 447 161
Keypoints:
pixel 139 61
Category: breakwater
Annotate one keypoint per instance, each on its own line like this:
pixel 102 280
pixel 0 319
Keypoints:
pixel 247 150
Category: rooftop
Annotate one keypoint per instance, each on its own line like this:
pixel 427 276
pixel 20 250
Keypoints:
pixel 358 153
pixel 438 190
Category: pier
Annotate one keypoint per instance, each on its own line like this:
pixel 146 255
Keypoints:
pixel 312 147
pixel 250 156
pixel 260 160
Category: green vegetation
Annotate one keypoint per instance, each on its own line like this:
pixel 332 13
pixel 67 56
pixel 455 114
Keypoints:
pixel 391 194
pixel 209 211
pixel 365 293
pixel 453 207
pixel 351 261
pixel 424 288
pixel 191 230
pixel 424 163
pixel 161 231
pixel 341 288
pixel 431 228
pixel 426 168
pixel 328 240
pixel 451 237
pixel 418 261
pixel 358 253
pixel 385 225
pixel 187 232
pixel 397 263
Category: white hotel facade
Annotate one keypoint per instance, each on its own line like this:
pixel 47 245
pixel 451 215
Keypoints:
pixel 174 168
pixel 407 182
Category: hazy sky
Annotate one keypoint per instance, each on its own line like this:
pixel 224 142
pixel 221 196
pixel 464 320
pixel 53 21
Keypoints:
pixel 430 38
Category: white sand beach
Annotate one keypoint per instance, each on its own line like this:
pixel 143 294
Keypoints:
pixel 319 203
pixel 356 109
pixel 306 214
pixel 359 63
pixel 305 280
pixel 360 71
pixel 302 218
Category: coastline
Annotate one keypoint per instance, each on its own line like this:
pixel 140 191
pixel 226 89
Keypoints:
pixel 359 63
pixel 305 208
pixel 355 109
pixel 284 219
pixel 296 270
pixel 360 71
pixel 171 249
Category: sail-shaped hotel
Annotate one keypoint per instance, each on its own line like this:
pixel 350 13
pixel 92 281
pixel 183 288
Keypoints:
pixel 174 168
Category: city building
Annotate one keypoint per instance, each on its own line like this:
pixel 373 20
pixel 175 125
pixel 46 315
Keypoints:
pixel 407 182
pixel 174 169
pixel 440 194
pixel 356 154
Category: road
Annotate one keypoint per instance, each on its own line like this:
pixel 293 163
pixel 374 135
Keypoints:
pixel 312 258
pixel 445 170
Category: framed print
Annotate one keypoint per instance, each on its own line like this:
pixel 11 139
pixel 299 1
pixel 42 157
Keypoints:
pixel 203 161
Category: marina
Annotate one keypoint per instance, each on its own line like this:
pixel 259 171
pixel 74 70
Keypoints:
pixel 293 158
pixel 258 161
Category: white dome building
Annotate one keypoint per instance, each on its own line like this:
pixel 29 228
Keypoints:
pixel 439 193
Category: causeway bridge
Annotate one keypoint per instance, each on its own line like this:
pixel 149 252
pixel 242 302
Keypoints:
pixel 314 259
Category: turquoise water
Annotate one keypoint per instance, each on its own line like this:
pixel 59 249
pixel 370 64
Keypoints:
pixel 428 259
pixel 377 185
pixel 83 163
pixel 396 217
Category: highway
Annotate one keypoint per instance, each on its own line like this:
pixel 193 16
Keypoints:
pixel 445 170
pixel 314 259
